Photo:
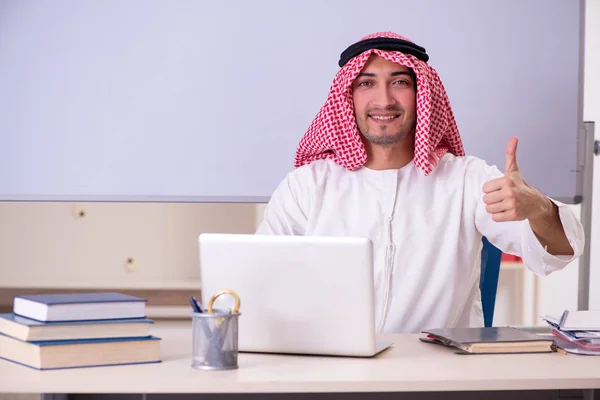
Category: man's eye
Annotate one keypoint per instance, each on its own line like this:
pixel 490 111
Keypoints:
pixel 364 83
pixel 402 82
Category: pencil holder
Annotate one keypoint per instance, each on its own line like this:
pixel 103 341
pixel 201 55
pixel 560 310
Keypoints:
pixel 215 337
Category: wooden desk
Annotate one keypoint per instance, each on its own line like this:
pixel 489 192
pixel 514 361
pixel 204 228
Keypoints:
pixel 410 366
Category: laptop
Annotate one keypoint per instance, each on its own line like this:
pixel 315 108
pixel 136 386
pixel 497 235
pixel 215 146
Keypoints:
pixel 299 294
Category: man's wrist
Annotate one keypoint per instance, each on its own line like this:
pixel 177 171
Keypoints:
pixel 547 227
pixel 545 219
pixel 545 212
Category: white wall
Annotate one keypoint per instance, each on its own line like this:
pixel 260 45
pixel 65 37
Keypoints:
pixel 48 244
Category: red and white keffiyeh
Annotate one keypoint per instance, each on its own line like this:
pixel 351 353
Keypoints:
pixel 334 134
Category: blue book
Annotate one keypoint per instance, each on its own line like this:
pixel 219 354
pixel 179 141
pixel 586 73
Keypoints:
pixel 32 330
pixel 79 306
pixel 60 354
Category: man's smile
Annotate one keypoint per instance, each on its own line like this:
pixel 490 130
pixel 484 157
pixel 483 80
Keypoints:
pixel 383 118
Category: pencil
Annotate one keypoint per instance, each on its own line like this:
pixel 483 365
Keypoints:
pixel 561 351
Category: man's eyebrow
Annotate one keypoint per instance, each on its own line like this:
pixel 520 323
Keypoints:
pixel 400 73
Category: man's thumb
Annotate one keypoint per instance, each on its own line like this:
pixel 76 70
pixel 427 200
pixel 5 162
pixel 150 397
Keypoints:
pixel 511 155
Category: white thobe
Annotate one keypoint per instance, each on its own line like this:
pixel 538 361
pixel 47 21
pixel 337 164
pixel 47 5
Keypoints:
pixel 426 233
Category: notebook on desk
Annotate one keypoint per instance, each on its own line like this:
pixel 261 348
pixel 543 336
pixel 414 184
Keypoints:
pixel 492 340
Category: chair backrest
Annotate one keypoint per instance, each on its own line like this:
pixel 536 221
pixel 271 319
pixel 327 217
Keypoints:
pixel 491 257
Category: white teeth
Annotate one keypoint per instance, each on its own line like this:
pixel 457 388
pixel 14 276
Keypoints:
pixel 381 118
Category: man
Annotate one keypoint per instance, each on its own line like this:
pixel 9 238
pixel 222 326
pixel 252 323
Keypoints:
pixel 383 159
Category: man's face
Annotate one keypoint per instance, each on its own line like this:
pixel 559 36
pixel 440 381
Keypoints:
pixel 384 102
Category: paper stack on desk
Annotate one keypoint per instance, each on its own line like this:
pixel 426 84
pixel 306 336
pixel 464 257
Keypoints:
pixel 577 332
pixel 77 330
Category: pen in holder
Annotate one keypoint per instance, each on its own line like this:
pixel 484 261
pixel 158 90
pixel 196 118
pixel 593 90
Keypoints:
pixel 215 335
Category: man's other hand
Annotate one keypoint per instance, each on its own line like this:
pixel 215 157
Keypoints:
pixel 510 198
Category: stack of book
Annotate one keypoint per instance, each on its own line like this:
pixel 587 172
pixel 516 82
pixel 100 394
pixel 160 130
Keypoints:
pixel 577 332
pixel 57 331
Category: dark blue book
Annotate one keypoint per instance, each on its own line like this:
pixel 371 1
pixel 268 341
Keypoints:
pixel 60 354
pixel 27 329
pixel 79 306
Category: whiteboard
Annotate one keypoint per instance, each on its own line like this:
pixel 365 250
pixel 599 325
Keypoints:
pixel 206 101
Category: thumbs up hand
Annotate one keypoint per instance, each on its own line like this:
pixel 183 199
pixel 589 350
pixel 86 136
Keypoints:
pixel 510 198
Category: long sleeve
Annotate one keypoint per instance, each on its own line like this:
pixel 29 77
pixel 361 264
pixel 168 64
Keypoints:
pixel 285 213
pixel 518 238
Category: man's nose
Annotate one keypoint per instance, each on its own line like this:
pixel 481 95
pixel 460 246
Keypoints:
pixel 383 97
